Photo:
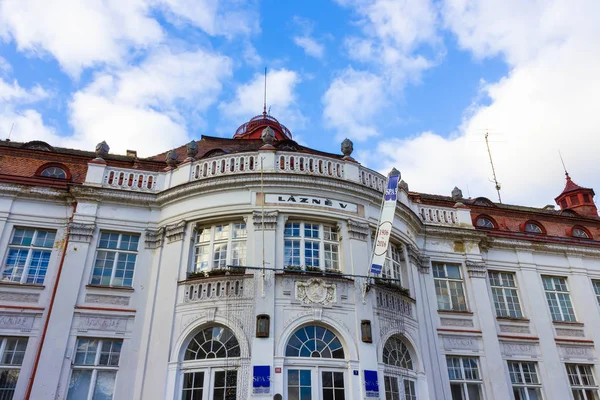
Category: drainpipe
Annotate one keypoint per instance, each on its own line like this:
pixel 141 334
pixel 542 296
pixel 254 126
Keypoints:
pixel 50 307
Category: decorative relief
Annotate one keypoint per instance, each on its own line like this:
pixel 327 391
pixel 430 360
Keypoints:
pixel 154 238
pixel 175 232
pixel 570 332
pixel 101 323
pixel 81 232
pixel 461 343
pixel 316 291
pixel 519 348
pixel 16 321
pixel 19 297
pixel 568 352
pixel 104 299
pixel 421 261
pixel 457 322
pixel 358 230
pixel 268 219
pixel 476 269
pixel 514 329
pixel 317 314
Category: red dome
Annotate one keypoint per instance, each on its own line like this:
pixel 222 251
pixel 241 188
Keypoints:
pixel 253 128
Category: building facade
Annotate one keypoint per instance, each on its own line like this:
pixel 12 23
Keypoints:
pixel 239 268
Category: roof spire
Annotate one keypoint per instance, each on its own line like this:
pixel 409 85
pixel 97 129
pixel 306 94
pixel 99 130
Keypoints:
pixel 563 164
pixel 265 95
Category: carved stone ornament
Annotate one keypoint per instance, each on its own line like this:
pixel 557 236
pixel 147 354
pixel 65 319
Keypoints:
pixel 268 136
pixel 358 230
pixel 102 150
pixel 24 322
pixel 191 149
pixel 105 299
pixel 171 159
pixel 422 262
pixel 268 219
pixel 154 238
pixel 347 147
pixel 476 269
pixel 81 232
pixel 175 232
pixel 316 291
pixel 102 323
pixel 19 297
pixel 456 194
pixel 403 185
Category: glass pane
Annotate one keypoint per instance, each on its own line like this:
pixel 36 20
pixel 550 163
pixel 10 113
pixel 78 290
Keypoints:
pixel 457 391
pixel 474 391
pixel 79 385
pixel 85 354
pixel 105 385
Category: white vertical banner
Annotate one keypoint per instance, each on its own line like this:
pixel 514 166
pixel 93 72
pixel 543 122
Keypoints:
pixel 382 239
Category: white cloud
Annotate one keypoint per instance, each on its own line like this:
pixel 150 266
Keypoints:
pixel 547 102
pixel 310 46
pixel 216 17
pixel 79 34
pixel 351 102
pixel 393 34
pixel 281 99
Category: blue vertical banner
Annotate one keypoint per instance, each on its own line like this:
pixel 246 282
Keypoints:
pixel 371 384
pixel 382 239
pixel 261 382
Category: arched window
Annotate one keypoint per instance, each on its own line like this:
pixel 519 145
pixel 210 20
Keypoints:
pixel 314 341
pixel 206 360
pixel 485 222
pixel 580 232
pixel 533 227
pixel 399 376
pixel 396 353
pixel 320 376
pixel 53 170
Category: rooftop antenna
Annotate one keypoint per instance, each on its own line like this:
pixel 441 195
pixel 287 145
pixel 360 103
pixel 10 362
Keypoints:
pixel 563 163
pixel 493 170
pixel 265 95
pixel 10 132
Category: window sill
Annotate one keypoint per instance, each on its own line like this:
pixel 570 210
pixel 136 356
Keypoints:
pixel 22 285
pixel 568 323
pixel 118 288
pixel 450 312
pixel 512 319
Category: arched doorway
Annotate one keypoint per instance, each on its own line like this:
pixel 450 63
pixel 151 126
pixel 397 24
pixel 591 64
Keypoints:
pixel 315 365
pixel 209 365
pixel 399 370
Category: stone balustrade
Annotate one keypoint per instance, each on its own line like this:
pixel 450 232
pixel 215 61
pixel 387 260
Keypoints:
pixel 121 178
pixel 213 289
pixel 438 215
pixel 225 165
pixel 394 302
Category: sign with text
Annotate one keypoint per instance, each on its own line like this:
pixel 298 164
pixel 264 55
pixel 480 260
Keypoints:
pixel 261 382
pixel 371 384
pixel 303 200
pixel 382 239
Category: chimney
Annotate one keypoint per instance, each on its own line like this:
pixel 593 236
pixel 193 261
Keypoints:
pixel 132 153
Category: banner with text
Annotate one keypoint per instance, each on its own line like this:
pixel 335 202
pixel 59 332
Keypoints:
pixel 261 382
pixel 382 239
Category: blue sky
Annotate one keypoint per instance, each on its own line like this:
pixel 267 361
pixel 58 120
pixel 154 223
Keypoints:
pixel 414 83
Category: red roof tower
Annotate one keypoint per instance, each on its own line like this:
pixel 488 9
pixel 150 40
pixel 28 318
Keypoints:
pixel 577 198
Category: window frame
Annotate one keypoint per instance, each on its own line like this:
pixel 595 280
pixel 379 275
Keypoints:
pixel 226 257
pixel 399 377
pixel 392 268
pixel 523 384
pixel 484 217
pixel 458 307
pixel 542 230
pixel 575 228
pixel 301 241
pixel 117 251
pixel 12 367
pixel 596 287
pixel 463 382
pixel 96 367
pixel 581 388
pixel 503 299
pixel 31 249
pixel 559 296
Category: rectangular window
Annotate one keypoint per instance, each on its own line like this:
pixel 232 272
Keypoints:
pixel 94 369
pixel 449 287
pixel 392 266
pixel 218 246
pixel 525 382
pixel 12 351
pixel 465 379
pixel 299 384
pixel 393 390
pixel 311 245
pixel 505 294
pixel 225 385
pixel 597 290
pixel 559 300
pixel 115 259
pixel 193 385
pixel 28 255
pixel 583 383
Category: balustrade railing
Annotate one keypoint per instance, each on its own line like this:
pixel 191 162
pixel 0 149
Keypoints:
pixel 372 179
pixel 310 165
pixel 440 216
pixel 213 289
pixel 130 179
pixel 225 165
pixel 394 302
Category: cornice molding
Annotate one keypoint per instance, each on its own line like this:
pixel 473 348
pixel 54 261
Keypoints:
pixel 175 232
pixel 476 269
pixel 266 219
pixel 358 230
pixel 153 238
pixel 81 232
pixel 553 248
